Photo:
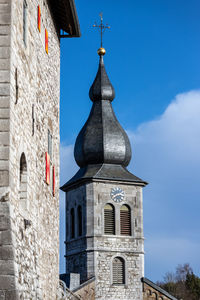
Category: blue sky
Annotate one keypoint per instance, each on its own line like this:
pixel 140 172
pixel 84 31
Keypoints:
pixel 153 62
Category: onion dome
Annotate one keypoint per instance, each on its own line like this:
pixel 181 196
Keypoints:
pixel 102 140
pixel 102 149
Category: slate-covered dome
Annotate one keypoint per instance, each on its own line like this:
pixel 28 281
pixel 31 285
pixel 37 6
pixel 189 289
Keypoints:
pixel 102 140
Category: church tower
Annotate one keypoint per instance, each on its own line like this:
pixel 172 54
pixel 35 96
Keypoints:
pixel 104 210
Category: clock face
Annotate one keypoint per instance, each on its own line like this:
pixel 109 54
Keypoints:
pixel 117 194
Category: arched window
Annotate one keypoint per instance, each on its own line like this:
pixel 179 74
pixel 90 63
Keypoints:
pixel 109 219
pixel 79 210
pixel 125 220
pixel 23 181
pixel 72 224
pixel 118 270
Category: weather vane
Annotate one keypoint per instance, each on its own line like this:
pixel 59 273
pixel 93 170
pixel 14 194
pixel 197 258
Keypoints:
pixel 101 28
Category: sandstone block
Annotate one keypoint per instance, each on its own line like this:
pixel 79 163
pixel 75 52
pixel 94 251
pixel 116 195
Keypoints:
pixel 4 139
pixel 5 18
pixel 4 51
pixel 4 152
pixel 7 267
pixel 4 39
pixel 7 282
pixel 5 237
pixel 4 126
pixel 4 178
pixel 4 63
pixel 4 208
pixel 4 102
pixel 12 295
pixel 5 29
pixel 4 223
pixel 4 89
pixel 6 252
pixel 4 165
pixel 4 112
pixel 5 1
pixel 4 7
pixel 4 75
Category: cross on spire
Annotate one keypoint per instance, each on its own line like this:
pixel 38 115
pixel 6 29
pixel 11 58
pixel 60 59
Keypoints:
pixel 101 27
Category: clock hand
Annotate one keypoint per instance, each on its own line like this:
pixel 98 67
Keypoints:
pixel 118 194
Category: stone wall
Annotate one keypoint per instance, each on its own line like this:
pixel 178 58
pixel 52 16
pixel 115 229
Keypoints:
pixel 29 108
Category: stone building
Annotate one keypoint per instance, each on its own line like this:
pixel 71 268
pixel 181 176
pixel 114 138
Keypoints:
pixel 104 209
pixel 30 33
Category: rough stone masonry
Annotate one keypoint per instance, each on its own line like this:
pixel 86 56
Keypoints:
pixel 29 109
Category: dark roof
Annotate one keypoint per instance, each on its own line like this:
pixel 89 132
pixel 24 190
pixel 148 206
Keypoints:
pixel 101 88
pixel 103 172
pixel 159 289
pixel 102 149
pixel 102 140
pixel 65 16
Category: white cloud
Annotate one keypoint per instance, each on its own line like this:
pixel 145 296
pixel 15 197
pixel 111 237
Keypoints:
pixel 166 153
pixel 177 130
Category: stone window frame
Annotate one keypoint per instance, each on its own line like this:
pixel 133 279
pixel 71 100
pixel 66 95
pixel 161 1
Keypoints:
pixel 117 207
pixel 125 270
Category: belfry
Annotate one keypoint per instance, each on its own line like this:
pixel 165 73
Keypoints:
pixel 104 214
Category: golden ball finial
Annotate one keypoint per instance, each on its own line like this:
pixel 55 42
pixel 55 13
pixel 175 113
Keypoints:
pixel 101 51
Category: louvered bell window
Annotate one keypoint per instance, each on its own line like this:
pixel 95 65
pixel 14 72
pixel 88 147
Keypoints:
pixel 125 220
pixel 118 271
pixel 109 219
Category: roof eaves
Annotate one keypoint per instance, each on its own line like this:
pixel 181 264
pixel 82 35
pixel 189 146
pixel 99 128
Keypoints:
pixel 65 18
pixel 75 18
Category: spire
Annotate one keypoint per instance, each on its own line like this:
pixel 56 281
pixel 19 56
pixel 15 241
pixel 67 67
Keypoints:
pixel 101 88
pixel 102 140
